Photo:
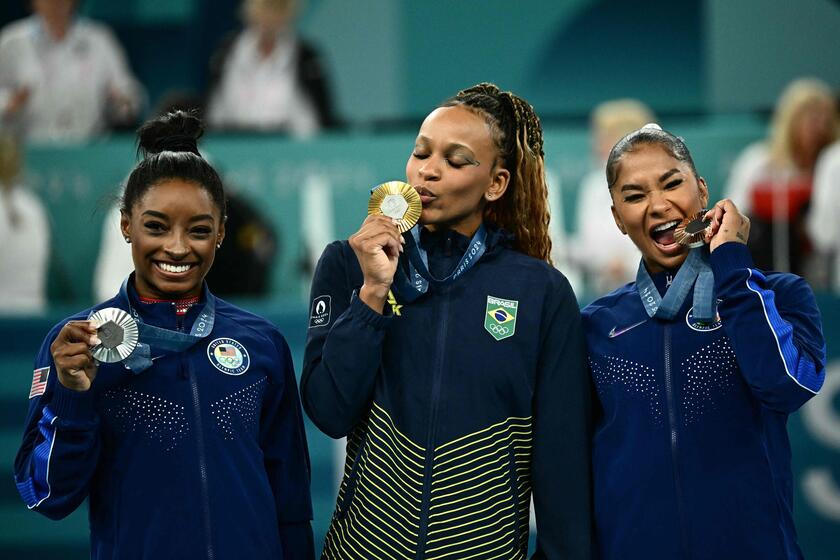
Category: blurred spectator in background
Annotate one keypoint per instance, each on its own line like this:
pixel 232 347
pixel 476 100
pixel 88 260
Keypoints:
pixel 607 257
pixel 267 78
pixel 824 217
pixel 24 236
pixel 771 180
pixel 63 77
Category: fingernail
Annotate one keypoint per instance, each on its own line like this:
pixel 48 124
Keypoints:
pixel 94 340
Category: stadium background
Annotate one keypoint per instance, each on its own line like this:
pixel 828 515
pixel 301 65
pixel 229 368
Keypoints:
pixel 711 69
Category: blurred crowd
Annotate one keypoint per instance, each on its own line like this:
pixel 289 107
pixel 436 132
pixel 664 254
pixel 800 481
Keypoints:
pixel 65 78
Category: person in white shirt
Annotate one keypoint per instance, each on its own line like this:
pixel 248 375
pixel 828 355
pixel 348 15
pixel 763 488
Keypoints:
pixel 63 78
pixel 608 258
pixel 270 79
pixel 24 237
pixel 771 181
pixel 823 223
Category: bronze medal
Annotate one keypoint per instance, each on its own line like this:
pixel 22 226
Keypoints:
pixel 691 232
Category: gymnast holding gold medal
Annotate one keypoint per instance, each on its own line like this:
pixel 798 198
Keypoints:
pixel 449 351
pixel 175 413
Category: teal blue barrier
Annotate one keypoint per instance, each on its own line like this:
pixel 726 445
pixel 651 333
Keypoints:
pixel 78 184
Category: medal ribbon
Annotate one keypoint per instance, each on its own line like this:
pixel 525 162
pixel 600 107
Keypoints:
pixel 695 271
pixel 412 280
pixel 164 341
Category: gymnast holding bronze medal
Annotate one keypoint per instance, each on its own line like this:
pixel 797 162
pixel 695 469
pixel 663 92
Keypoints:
pixel 697 366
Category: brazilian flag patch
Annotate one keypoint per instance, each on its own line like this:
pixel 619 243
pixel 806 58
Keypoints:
pixel 500 317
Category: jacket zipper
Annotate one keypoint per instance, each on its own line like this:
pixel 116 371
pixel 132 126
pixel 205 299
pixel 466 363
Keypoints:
pixel 672 421
pixel 436 384
pixel 202 461
pixel 202 455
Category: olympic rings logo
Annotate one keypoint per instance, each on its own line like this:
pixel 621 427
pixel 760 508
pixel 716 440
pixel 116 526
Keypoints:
pixel 499 329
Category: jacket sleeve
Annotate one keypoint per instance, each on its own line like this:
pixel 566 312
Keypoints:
pixel 61 442
pixel 343 349
pixel 774 328
pixel 561 463
pixel 286 456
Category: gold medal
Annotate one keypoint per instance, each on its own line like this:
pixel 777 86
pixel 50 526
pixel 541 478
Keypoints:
pixel 691 232
pixel 117 332
pixel 396 200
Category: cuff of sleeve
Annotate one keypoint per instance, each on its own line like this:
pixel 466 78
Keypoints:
pixel 730 256
pixel 75 406
pixel 360 309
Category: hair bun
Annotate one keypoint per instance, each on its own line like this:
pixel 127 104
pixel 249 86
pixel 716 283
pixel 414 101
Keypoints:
pixel 651 126
pixel 177 131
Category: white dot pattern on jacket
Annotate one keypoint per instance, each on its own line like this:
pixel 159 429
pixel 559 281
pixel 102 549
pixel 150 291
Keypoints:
pixel 709 374
pixel 632 377
pixel 158 420
pixel 239 411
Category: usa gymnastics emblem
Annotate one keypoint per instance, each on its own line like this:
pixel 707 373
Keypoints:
pixel 228 356
pixel 703 326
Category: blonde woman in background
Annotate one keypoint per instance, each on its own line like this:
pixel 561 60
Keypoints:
pixel 24 236
pixel 771 181
pixel 606 256
pixel 823 225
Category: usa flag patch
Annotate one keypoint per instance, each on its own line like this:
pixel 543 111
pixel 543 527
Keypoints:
pixel 39 382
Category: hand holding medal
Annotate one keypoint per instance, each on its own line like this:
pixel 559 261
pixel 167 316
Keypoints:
pixel 726 224
pixel 109 335
pixel 394 207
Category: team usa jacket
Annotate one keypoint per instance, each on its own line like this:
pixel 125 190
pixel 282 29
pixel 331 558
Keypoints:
pixel 691 455
pixel 456 406
pixel 203 455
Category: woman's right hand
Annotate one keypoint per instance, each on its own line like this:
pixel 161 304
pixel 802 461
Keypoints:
pixel 74 363
pixel 377 245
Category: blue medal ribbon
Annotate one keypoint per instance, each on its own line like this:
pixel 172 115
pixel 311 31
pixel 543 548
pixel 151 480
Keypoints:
pixel 163 341
pixel 695 271
pixel 413 277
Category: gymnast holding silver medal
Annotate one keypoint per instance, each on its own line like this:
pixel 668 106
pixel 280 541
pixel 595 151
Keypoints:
pixel 175 413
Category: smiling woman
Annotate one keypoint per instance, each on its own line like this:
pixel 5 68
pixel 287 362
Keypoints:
pixel 208 392
pixel 697 365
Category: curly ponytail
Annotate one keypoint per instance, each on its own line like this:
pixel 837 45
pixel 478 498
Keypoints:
pixel 523 210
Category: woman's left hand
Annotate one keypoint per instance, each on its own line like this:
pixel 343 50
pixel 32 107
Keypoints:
pixel 728 224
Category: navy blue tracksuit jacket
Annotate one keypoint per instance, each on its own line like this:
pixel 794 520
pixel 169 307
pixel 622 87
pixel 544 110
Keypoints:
pixel 449 427
pixel 192 458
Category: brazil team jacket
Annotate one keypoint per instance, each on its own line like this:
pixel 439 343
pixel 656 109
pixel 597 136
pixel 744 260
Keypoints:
pixel 194 457
pixel 691 455
pixel 456 407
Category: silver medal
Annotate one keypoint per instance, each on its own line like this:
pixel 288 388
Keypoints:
pixel 117 332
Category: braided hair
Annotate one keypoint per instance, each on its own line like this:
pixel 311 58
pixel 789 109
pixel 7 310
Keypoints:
pixel 169 146
pixel 517 133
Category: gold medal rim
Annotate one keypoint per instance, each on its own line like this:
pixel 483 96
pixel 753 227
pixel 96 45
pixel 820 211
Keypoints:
pixel 415 205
